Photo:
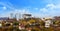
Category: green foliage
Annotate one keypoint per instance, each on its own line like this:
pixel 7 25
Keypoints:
pixel 16 23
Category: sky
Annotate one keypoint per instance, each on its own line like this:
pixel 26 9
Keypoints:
pixel 38 8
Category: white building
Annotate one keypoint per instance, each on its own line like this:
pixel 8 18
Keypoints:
pixel 47 23
pixel 26 15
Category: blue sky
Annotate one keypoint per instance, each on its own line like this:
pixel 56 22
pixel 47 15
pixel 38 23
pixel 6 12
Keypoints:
pixel 38 8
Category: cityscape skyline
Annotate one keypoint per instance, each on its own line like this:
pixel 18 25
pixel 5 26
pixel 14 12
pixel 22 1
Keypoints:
pixel 38 8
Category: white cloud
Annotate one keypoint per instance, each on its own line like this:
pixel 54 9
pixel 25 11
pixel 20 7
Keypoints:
pixel 43 10
pixel 36 8
pixel 51 9
pixel 7 5
pixel 4 8
pixel 12 9
pixel 51 6
pixel 48 7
